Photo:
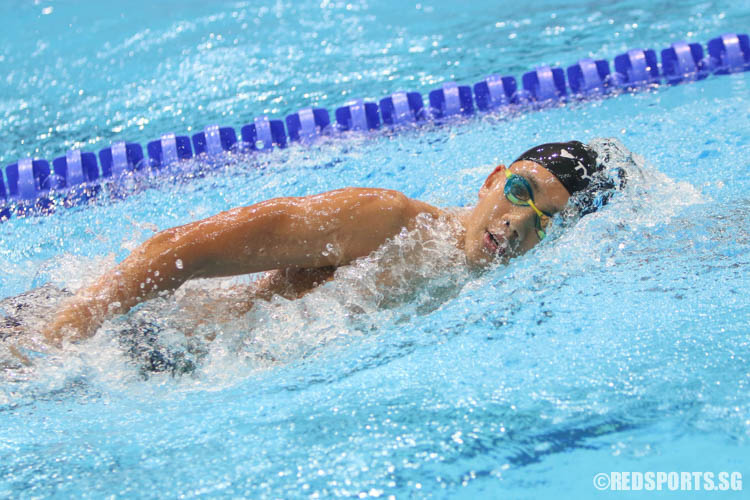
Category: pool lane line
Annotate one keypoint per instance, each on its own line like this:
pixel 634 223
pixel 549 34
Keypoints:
pixel 31 187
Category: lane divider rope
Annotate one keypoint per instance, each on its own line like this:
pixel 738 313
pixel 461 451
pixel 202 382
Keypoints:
pixel 30 186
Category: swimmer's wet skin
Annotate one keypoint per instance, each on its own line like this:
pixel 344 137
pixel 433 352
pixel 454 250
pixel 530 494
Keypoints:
pixel 514 207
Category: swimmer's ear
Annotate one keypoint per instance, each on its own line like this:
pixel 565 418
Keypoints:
pixel 490 180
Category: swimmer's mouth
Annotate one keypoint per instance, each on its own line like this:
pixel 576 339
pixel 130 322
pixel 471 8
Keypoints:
pixel 493 245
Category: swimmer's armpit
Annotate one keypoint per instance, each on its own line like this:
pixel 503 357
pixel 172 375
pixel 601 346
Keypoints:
pixel 292 283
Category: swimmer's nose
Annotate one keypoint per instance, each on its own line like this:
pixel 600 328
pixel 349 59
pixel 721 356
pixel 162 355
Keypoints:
pixel 511 230
pixel 518 224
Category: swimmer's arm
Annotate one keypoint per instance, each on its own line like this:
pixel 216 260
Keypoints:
pixel 199 307
pixel 330 229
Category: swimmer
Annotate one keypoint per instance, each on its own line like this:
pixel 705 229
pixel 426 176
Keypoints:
pixel 301 241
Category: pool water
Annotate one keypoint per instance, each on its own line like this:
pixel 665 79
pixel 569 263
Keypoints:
pixel 619 344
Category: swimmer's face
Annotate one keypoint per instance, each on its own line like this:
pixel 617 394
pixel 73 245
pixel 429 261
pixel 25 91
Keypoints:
pixel 498 229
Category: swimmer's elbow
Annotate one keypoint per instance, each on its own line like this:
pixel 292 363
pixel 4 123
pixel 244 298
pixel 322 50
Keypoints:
pixel 163 262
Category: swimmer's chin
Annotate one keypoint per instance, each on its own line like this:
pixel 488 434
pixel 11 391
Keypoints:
pixel 492 260
pixel 487 259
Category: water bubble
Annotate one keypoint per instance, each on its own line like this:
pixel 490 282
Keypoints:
pixel 178 263
pixel 260 145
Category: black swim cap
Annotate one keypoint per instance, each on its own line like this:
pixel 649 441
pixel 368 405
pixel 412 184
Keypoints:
pixel 573 163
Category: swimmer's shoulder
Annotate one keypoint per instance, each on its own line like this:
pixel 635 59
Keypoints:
pixel 410 207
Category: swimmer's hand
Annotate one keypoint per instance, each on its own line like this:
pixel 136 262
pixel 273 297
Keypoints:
pixel 25 355
pixel 19 355
pixel 73 321
pixel 310 232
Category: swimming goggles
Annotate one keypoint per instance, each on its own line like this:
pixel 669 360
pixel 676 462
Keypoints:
pixel 518 191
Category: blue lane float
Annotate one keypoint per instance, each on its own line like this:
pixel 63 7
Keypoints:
pixel 27 179
pixel 76 168
pixel 358 115
pixel 402 108
pixel 729 53
pixel 494 91
pixel 545 84
pixel 263 134
pixel 589 77
pixel 31 182
pixel 307 124
pixel 683 62
pixel 451 99
pixel 119 158
pixel 637 68
pixel 214 140
pixel 169 149
pixel 4 209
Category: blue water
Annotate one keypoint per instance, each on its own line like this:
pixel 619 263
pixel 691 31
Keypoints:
pixel 619 344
